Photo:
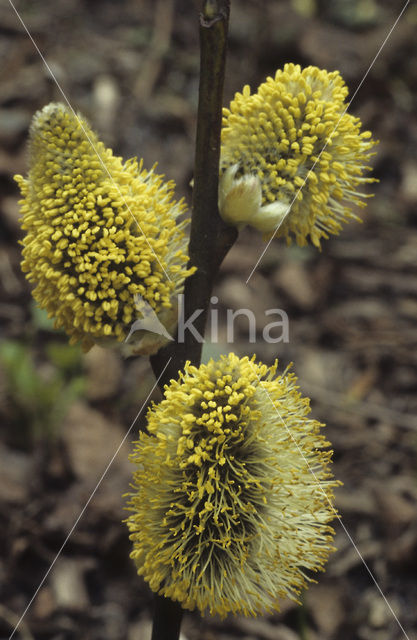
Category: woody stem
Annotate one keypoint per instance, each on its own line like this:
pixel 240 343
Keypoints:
pixel 210 237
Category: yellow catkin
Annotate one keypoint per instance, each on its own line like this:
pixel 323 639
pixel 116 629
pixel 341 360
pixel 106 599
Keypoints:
pixel 227 515
pixel 276 135
pixel 98 232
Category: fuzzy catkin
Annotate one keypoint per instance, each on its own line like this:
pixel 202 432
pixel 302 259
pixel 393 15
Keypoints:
pixel 98 233
pixel 233 491
pixel 293 162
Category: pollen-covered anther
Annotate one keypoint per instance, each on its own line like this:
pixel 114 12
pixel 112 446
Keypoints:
pixel 293 161
pixel 100 234
pixel 227 515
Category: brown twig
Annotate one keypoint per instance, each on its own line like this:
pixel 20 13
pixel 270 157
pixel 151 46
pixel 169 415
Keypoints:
pixel 210 237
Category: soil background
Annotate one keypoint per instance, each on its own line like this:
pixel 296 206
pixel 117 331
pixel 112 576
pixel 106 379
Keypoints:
pixel 132 68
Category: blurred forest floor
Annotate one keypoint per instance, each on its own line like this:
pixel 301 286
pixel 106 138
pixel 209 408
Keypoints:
pixel 132 68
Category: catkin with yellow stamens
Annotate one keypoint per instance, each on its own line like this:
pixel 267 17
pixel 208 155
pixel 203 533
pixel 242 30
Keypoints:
pixel 99 232
pixel 292 160
pixel 233 490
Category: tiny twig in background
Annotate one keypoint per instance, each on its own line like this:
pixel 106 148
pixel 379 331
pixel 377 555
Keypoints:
pixel 12 619
pixel 159 46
